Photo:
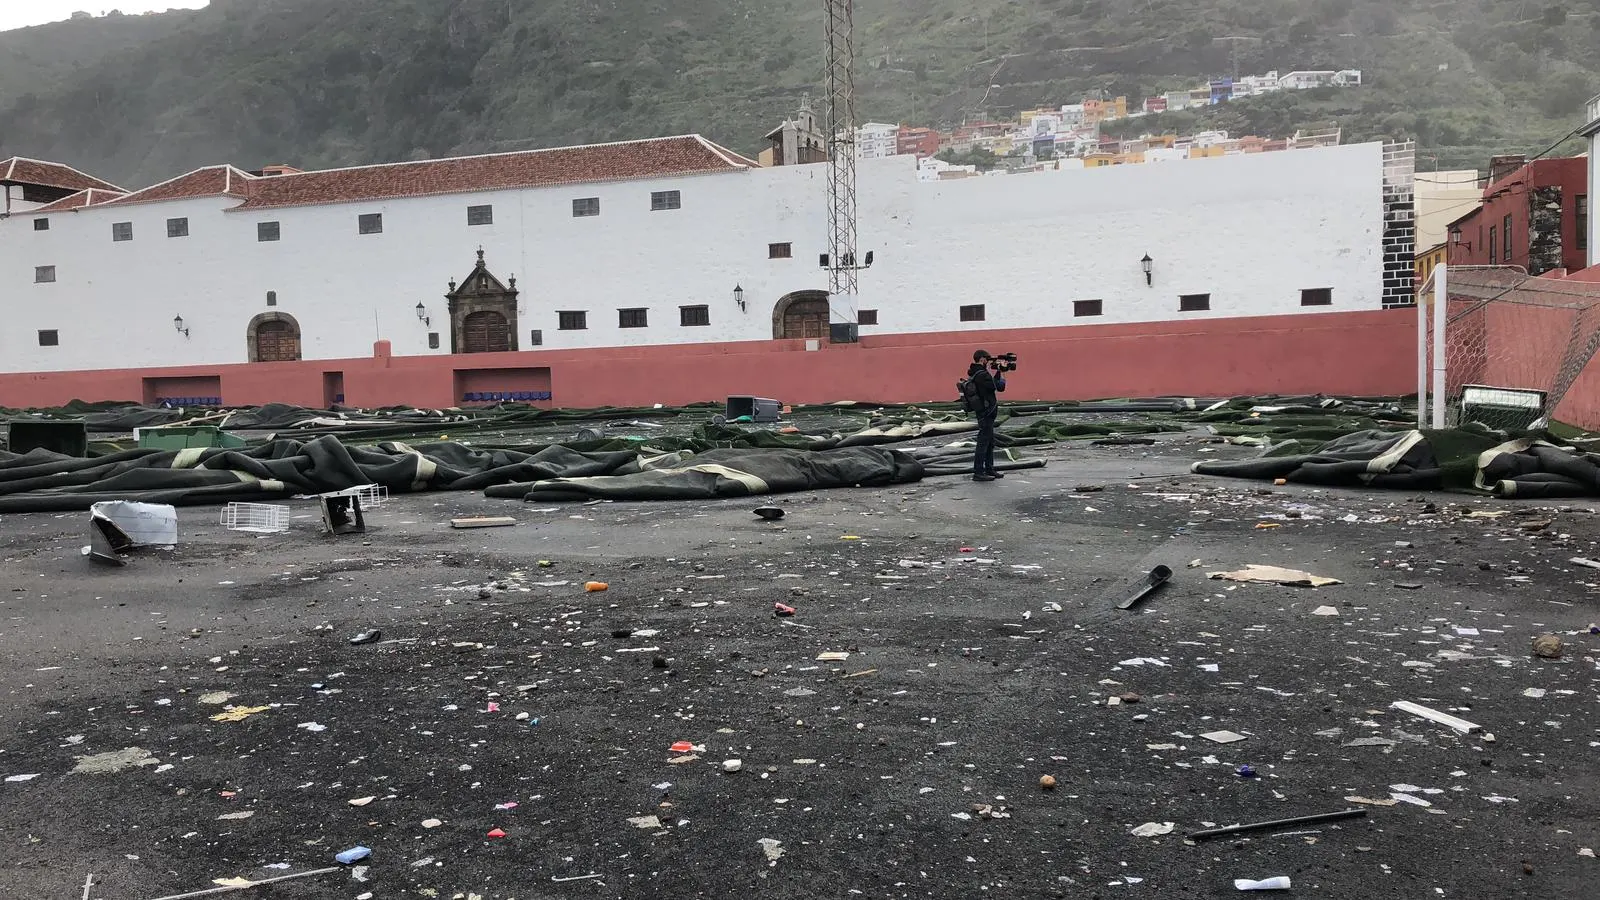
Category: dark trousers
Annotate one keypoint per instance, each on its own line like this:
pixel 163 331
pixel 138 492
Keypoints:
pixel 983 456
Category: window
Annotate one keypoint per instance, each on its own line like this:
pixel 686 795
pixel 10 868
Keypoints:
pixel 433 340
pixel 866 317
pixel 632 318
pixel 268 231
pixel 177 228
pixel 272 298
pixel 536 338
pixel 780 251
pixel 1316 297
pixel 1505 238
pixel 1086 307
pixel 41 224
pixel 572 321
pixel 691 316
pixel 49 338
pixel 371 223
pixel 972 313
pixel 480 215
pixel 660 200
pixel 44 274
pixel 1582 209
pixel 586 206
pixel 122 231
pixel 1194 302
pixel 1493 246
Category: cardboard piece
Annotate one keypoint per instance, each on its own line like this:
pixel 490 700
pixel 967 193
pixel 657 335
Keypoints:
pixel 119 526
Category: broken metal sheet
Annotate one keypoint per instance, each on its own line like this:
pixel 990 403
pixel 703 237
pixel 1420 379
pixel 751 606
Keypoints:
pixel 118 526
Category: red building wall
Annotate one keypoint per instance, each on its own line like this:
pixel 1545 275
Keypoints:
pixel 922 142
pixel 1521 195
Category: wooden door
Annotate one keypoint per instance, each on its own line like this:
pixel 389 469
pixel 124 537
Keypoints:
pixel 485 332
pixel 806 319
pixel 277 342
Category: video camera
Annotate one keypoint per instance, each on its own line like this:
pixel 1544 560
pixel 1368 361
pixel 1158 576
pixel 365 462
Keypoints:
pixel 1005 362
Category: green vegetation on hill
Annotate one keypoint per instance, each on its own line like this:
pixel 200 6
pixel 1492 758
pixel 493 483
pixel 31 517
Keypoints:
pixel 338 82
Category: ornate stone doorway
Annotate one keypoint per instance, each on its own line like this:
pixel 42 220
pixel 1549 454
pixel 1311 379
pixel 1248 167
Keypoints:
pixel 483 312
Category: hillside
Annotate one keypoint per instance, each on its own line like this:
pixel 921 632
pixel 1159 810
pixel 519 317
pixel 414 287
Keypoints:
pixel 340 82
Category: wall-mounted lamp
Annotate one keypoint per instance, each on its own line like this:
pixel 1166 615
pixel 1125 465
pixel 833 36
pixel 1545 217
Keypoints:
pixel 422 314
pixel 1149 267
pixel 177 322
pixel 738 296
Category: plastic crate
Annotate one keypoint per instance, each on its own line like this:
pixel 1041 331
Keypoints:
pixel 258 518
pixel 187 437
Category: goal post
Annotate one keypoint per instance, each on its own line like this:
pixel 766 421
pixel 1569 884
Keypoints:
pixel 1500 347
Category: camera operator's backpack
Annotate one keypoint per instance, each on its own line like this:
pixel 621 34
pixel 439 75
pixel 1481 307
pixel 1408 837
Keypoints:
pixel 967 391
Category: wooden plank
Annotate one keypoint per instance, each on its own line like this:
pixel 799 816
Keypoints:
pixel 483 522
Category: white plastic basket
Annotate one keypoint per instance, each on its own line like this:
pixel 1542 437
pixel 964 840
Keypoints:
pixel 258 518
pixel 372 495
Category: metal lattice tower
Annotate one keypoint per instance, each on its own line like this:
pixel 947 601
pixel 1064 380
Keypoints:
pixel 842 268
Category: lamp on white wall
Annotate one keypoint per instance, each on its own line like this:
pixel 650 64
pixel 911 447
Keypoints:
pixel 177 322
pixel 738 296
pixel 422 314
pixel 1149 268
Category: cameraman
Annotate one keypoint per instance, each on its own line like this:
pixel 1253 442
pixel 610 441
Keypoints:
pixel 988 407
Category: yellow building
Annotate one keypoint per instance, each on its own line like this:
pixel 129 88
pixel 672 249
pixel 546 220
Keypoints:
pixel 1097 160
pixel 1205 152
pixel 1428 260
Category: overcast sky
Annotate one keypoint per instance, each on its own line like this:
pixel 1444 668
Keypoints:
pixel 21 13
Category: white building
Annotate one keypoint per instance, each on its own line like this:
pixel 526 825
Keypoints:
pixel 876 140
pixel 1072 116
pixel 612 248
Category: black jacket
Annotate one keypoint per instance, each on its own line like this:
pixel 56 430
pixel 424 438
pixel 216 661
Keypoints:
pixel 987 385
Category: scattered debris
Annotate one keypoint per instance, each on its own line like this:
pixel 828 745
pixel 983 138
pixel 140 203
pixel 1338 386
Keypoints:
pixel 1279 883
pixel 770 513
pixel 1270 824
pixel 1325 611
pixel 241 814
pixel 649 823
pixel 1047 782
pixel 362 801
pixel 239 713
pixel 367 637
pixel 1153 829
pixel 1547 646
pixel 1224 737
pixel 1433 715
pixel 773 850
pixel 782 610
pixel 1275 575
pixel 1368 801
pixel 119 526
pixel 17 779
pixel 354 854
pixel 1147 585
pixel 833 656
pixel 595 587
pixel 229 885
pixel 731 766
pixel 114 761
pixel 483 522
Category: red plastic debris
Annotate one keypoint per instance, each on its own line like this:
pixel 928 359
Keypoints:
pixel 681 747
pixel 493 707
pixel 782 610
pixel 497 833
pixel 966 549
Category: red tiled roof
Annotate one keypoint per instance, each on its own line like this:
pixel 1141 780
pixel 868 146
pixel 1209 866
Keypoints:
pixel 90 197
pixel 690 154
pixel 21 170
pixel 212 181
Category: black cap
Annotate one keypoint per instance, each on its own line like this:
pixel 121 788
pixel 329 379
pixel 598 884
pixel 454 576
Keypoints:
pixel 979 355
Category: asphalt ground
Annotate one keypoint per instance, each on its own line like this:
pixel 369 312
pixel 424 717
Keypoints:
pixel 983 645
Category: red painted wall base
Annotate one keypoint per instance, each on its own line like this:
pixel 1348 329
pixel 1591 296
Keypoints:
pixel 1355 353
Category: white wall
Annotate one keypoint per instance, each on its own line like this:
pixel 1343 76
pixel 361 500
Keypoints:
pixel 1250 230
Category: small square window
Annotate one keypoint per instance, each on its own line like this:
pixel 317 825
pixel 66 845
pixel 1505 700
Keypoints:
pixel 866 317
pixel 433 340
pixel 693 316
pixel 572 321
pixel 177 228
pixel 586 206
pixel 633 318
pixel 41 224
pixel 780 251
pixel 371 223
pixel 272 298
pixel 1194 302
pixel 1316 297
pixel 122 231
pixel 536 338
pixel 44 274
pixel 50 338
pixel 480 215
pixel 972 313
pixel 660 200
pixel 1086 307
pixel 268 231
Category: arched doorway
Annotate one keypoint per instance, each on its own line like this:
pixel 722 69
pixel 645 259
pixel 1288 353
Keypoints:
pixel 273 337
pixel 485 331
pixel 802 314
